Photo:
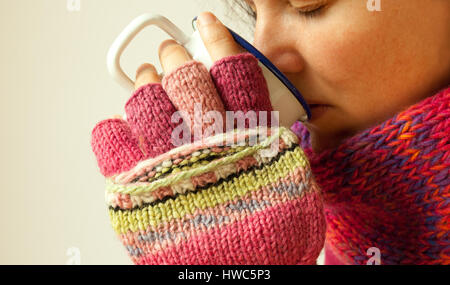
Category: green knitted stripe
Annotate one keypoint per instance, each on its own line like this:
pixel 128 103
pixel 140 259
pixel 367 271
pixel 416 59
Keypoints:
pixel 139 219
pixel 137 188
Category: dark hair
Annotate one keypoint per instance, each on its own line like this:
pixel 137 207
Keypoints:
pixel 240 7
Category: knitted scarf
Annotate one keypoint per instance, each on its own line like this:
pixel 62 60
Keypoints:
pixel 387 190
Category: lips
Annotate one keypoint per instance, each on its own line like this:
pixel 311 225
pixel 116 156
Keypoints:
pixel 314 105
pixel 317 110
pixel 317 106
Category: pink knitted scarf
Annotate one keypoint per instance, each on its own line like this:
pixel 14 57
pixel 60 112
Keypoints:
pixel 387 190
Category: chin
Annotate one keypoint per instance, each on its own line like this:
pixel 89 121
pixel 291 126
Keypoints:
pixel 319 144
pixel 321 141
pixel 328 128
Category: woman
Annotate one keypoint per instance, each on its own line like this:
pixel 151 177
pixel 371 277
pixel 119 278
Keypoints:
pixel 377 83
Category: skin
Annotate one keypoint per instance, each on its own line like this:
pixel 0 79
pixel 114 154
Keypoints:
pixel 355 68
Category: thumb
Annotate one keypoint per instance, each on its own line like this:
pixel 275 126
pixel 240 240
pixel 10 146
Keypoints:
pixel 216 37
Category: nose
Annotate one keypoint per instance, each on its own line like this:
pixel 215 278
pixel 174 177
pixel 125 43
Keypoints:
pixel 277 43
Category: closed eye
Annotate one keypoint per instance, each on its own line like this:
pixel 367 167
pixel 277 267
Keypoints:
pixel 311 12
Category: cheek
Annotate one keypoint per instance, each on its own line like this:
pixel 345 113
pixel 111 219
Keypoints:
pixel 349 57
pixel 369 66
pixel 360 64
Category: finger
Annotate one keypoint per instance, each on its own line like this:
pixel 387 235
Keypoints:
pixel 216 37
pixel 241 83
pixel 149 113
pixel 192 91
pixel 172 55
pixel 114 146
pixel 146 74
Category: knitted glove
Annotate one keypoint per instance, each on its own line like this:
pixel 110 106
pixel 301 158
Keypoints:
pixel 206 202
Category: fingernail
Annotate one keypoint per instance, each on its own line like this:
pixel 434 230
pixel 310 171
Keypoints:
pixel 145 68
pixel 206 18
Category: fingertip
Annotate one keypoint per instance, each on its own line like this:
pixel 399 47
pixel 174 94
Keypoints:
pixel 172 55
pixel 218 40
pixel 206 18
pixel 146 74
pixel 117 117
pixel 145 67
pixel 114 146
pixel 165 44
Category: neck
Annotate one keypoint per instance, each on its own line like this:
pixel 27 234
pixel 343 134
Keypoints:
pixel 388 186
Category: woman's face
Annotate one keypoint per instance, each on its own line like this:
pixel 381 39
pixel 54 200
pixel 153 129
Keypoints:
pixel 355 67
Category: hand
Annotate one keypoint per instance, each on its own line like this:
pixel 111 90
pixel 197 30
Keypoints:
pixel 235 83
pixel 205 202
pixel 217 39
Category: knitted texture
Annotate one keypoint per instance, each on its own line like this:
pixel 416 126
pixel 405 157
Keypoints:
pixel 191 84
pixel 106 137
pixel 244 91
pixel 220 205
pixel 148 128
pixel 241 84
pixel 218 200
pixel 149 114
pixel 389 188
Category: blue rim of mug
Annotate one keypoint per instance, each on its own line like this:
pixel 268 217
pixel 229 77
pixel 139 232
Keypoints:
pixel 267 63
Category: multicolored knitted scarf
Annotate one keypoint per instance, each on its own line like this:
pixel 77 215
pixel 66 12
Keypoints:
pixel 388 189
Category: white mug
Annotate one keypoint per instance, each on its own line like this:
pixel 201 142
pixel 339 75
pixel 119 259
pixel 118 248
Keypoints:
pixel 281 97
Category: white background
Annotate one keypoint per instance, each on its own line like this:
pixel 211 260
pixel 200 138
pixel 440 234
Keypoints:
pixel 54 88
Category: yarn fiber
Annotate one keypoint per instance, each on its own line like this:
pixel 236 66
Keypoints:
pixel 220 205
pixel 389 188
pixel 212 200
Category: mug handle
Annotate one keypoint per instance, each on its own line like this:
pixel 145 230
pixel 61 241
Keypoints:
pixel 128 34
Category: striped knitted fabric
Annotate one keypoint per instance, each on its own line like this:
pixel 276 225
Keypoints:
pixel 389 188
pixel 243 197
pixel 119 145
pixel 211 204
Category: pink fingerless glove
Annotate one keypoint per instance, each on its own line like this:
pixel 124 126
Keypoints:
pixel 206 202
pixel 240 84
